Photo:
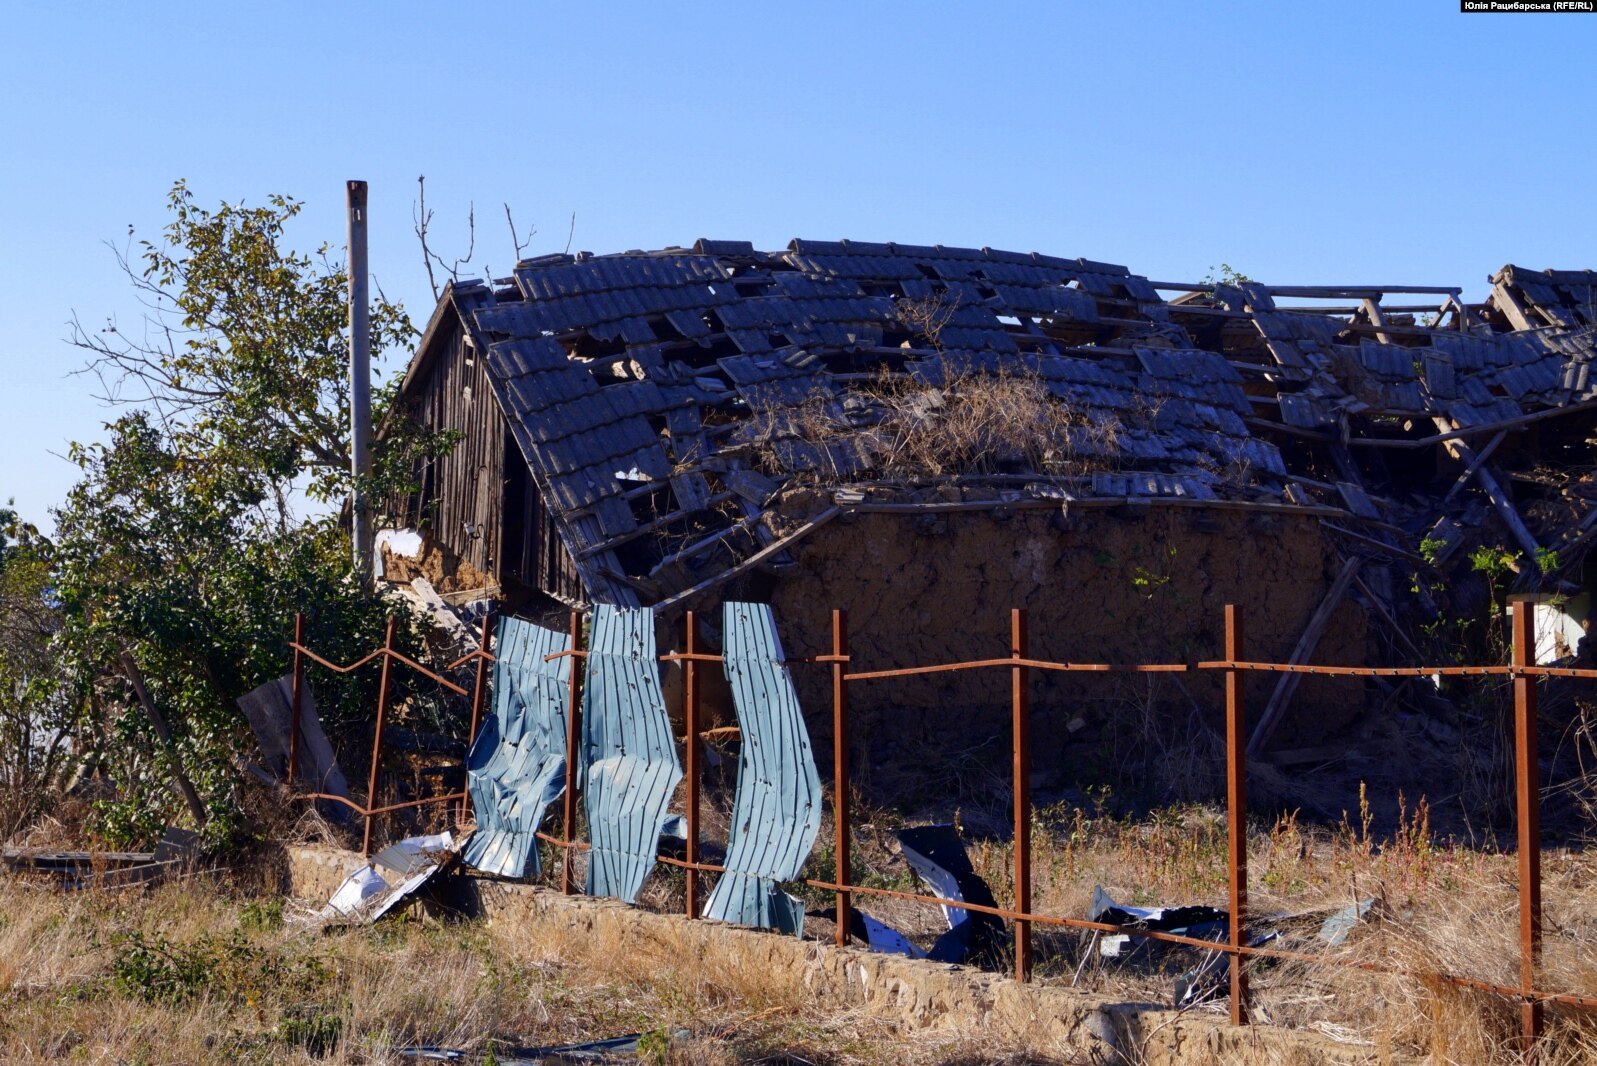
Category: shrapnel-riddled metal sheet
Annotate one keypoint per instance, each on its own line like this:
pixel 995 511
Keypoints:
pixel 517 765
pixel 629 754
pixel 777 811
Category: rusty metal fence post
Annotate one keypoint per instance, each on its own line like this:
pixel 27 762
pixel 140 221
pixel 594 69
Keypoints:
pixel 1527 795
pixel 476 717
pixel 1020 703
pixel 1236 807
pixel 377 735
pixel 840 665
pixel 573 732
pixel 294 702
pixel 690 725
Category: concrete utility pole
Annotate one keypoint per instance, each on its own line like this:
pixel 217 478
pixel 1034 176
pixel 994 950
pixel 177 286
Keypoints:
pixel 360 381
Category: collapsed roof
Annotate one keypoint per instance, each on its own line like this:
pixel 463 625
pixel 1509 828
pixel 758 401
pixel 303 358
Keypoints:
pixel 664 400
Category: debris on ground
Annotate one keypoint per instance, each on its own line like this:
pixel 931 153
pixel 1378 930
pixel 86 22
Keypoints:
pixel 73 870
pixel 392 876
pixel 590 1051
pixel 938 857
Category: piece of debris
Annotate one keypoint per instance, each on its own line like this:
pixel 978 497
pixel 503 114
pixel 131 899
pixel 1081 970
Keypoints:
pixel 74 870
pixel 1336 928
pixel 589 1051
pixel 777 807
pixel 517 765
pixel 269 709
pixel 368 894
pixel 938 857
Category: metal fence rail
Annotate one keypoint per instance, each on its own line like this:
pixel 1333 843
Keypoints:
pixel 1522 671
pixel 389 655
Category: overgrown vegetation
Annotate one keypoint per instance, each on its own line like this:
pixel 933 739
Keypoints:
pixel 180 557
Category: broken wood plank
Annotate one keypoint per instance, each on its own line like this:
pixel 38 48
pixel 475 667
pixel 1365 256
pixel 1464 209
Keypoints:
pixel 758 557
pixel 1494 492
pixel 1474 464
pixel 1284 689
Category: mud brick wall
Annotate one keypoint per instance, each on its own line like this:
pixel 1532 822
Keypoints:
pixel 1118 586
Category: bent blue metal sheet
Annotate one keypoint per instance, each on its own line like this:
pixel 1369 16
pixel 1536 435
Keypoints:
pixel 777 811
pixel 517 764
pixel 628 751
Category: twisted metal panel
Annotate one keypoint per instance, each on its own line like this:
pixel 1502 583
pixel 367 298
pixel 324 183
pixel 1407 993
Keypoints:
pixel 628 751
pixel 777 810
pixel 517 764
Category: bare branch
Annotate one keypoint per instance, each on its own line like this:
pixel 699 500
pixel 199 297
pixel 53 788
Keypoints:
pixel 520 245
pixel 572 233
pixel 422 217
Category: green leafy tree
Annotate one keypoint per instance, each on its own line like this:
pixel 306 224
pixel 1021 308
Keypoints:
pixel 36 705
pixel 179 558
pixel 243 351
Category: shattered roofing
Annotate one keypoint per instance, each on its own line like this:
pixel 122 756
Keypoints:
pixel 665 392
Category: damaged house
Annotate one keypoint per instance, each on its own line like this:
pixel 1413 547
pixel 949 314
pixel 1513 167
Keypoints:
pixel 926 437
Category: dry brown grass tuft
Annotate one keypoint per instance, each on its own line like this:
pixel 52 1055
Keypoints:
pixel 976 422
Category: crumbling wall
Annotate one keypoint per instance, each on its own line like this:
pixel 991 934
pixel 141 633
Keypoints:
pixel 1126 585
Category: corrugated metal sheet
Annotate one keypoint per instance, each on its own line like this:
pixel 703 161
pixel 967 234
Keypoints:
pixel 517 765
pixel 777 810
pixel 629 754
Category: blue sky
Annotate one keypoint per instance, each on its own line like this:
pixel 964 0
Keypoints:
pixel 1396 142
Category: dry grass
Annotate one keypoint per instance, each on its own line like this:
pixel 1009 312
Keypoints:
pixel 82 976
pixel 104 978
pixel 975 422
pixel 1441 908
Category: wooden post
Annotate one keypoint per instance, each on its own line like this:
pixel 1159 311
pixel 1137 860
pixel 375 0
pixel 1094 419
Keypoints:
pixel 294 700
pixel 1020 702
pixel 1236 807
pixel 690 725
pixel 840 666
pixel 573 734
pixel 377 735
pixel 476 710
pixel 1527 794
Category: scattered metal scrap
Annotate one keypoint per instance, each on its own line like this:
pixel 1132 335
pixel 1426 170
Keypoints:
pixel 72 870
pixel 777 810
pixel 517 765
pixel 588 1051
pixel 938 857
pixel 392 876
pixel 1197 983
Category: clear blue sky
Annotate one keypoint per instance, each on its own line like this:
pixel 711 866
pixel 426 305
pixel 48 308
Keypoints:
pixel 1394 142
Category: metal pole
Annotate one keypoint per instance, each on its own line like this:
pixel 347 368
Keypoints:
pixel 840 767
pixel 1020 700
pixel 573 731
pixel 377 735
pixel 294 703
pixel 1236 809
pixel 476 707
pixel 360 381
pixel 1527 794
pixel 690 724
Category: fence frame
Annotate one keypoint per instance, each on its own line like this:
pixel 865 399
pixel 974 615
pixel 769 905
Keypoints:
pixel 1521 670
pixel 300 654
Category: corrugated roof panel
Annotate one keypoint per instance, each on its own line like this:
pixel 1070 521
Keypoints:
pixel 777 810
pixel 517 765
pixel 629 755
